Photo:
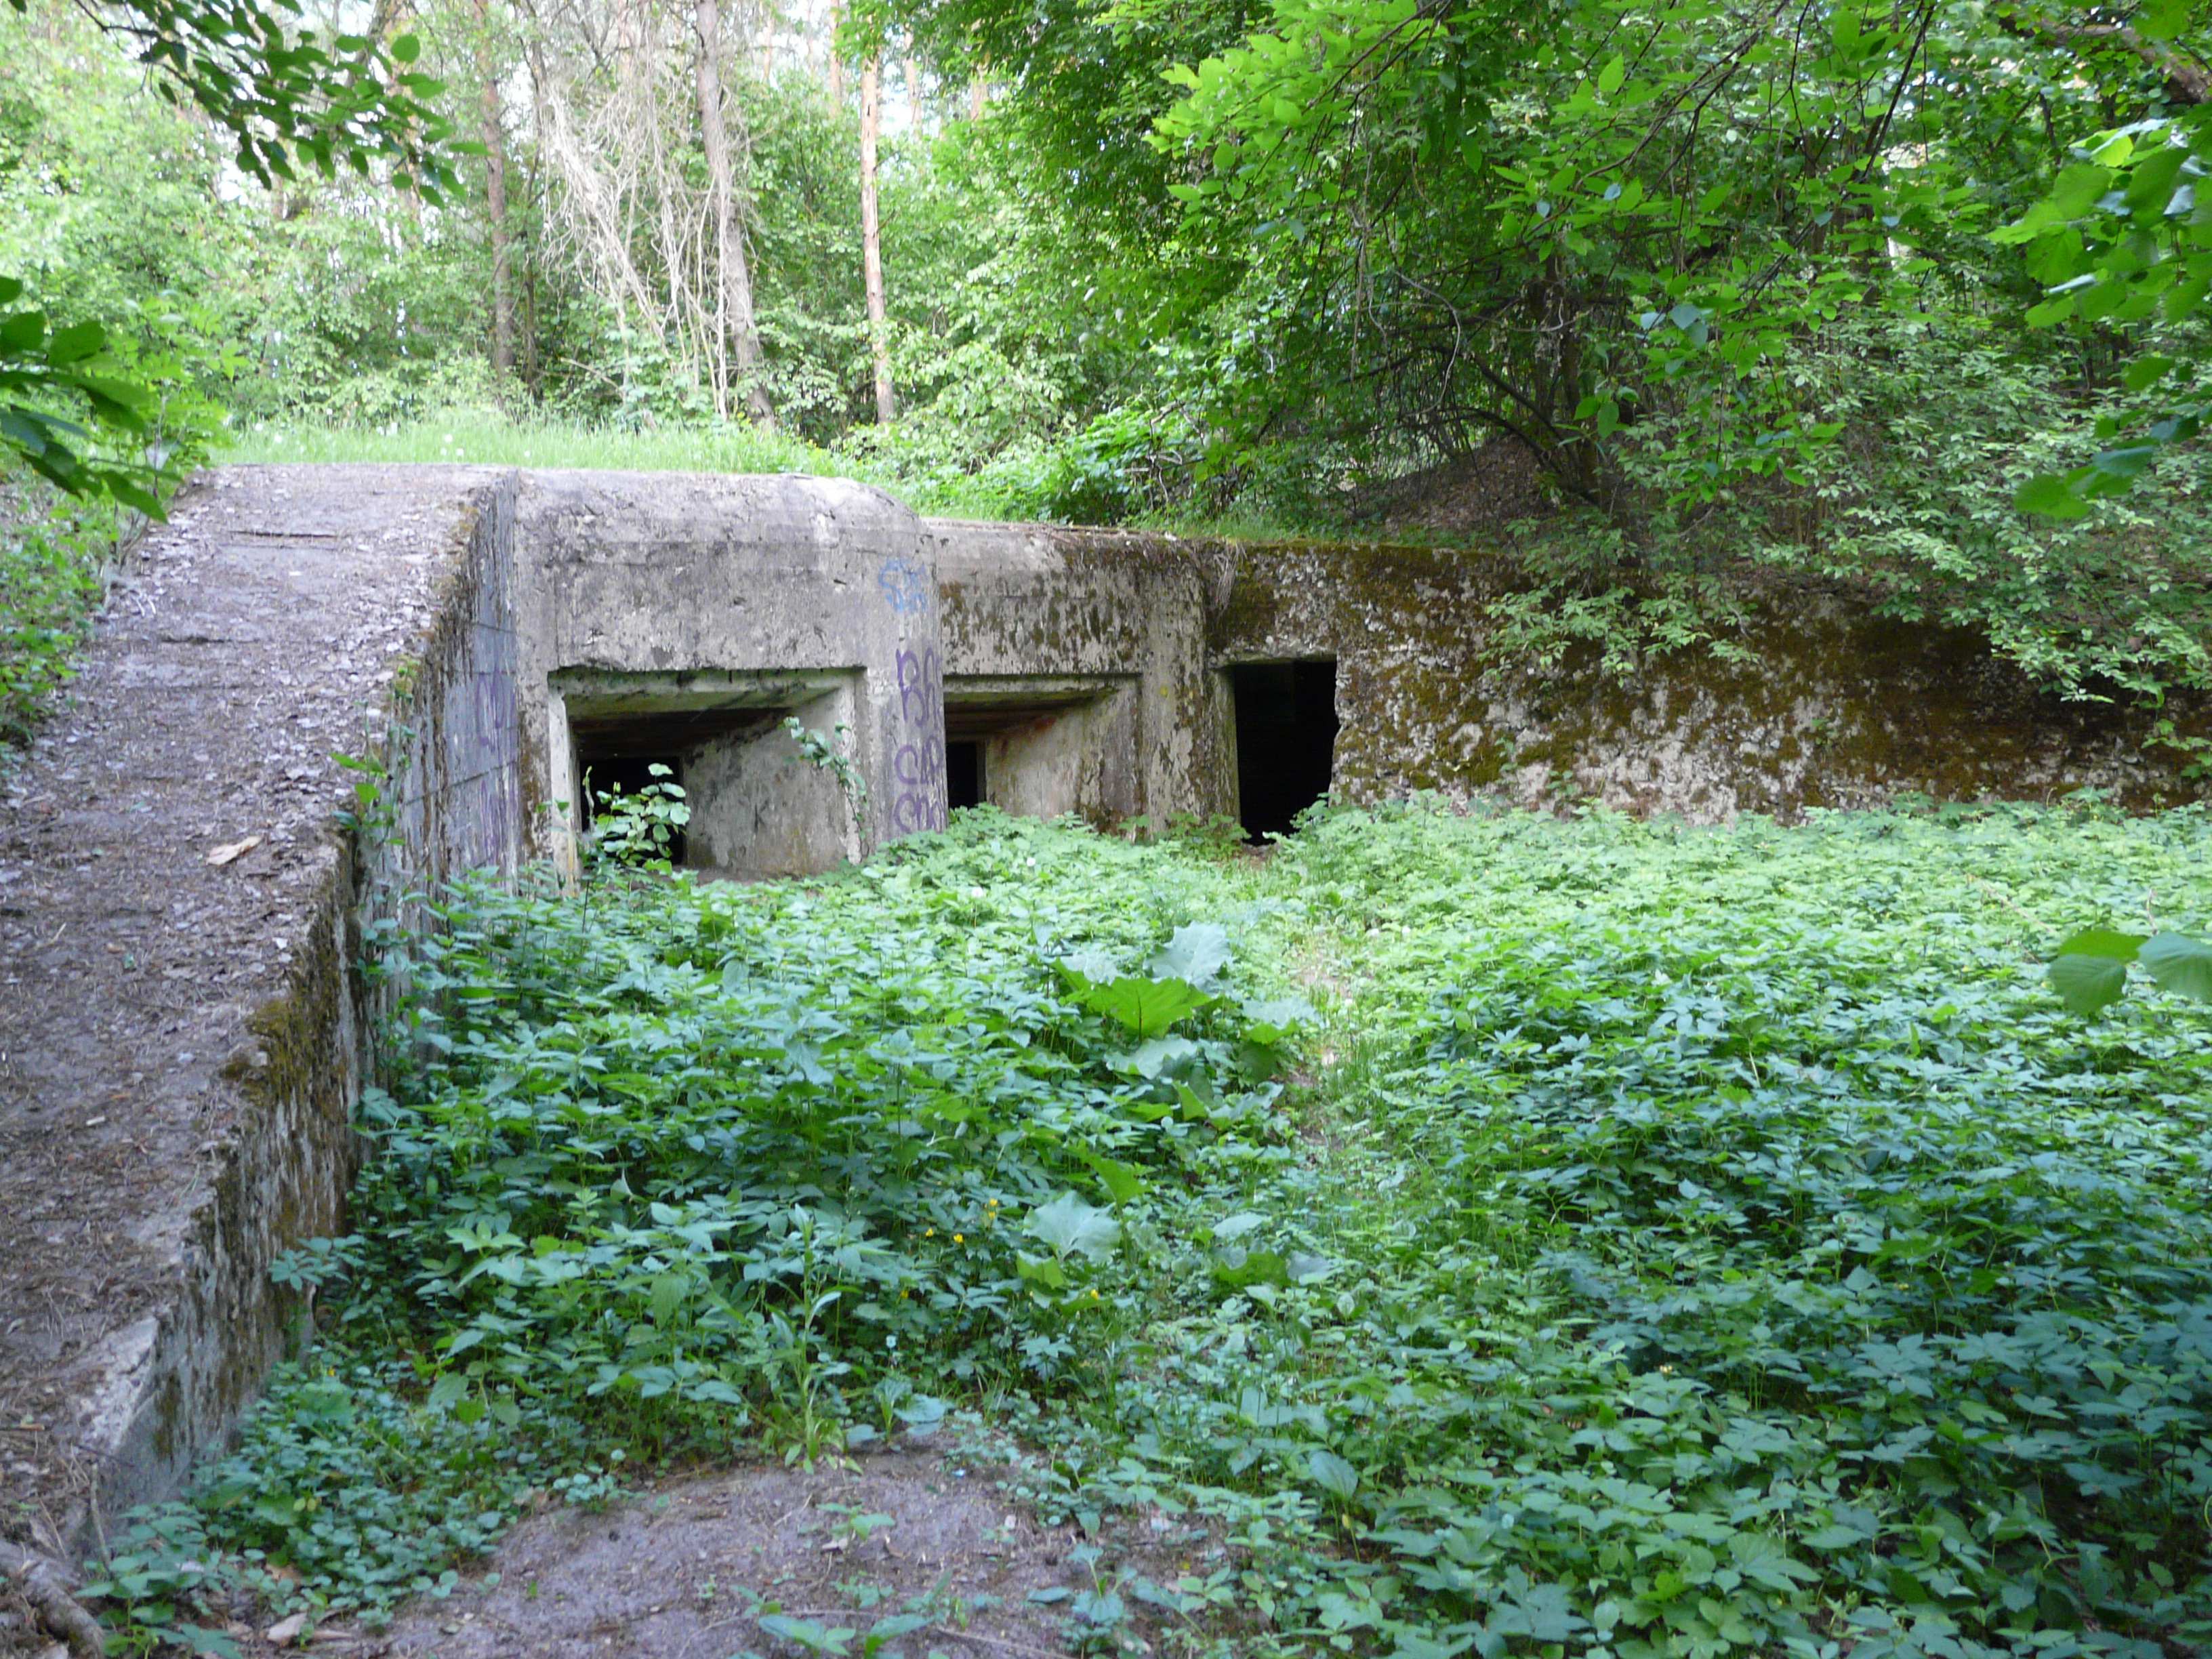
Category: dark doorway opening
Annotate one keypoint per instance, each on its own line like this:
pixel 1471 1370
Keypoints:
pixel 963 775
pixel 1285 740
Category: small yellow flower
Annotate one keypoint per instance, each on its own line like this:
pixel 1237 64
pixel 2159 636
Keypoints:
pixel 1094 1292
pixel 959 1238
pixel 929 1232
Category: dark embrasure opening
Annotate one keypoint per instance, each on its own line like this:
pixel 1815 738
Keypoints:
pixel 1285 740
pixel 964 774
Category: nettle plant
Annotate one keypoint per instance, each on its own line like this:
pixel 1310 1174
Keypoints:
pixel 1659 1242
pixel 639 828
pixel 2090 972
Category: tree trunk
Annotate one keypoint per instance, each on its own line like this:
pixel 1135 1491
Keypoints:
pixel 979 90
pixel 502 248
pixel 836 64
pixel 735 294
pixel 871 246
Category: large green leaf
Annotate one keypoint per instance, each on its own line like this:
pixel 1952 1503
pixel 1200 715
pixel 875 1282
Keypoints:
pixel 2090 970
pixel 2179 964
pixel 1068 1226
pixel 1331 1474
pixel 1197 953
pixel 2103 942
pixel 1147 1006
pixel 2085 984
pixel 1158 1056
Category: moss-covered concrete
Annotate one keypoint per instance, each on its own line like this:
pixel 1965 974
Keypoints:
pixel 1834 707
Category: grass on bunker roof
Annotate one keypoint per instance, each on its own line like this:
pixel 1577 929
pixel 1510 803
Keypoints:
pixel 1011 486
pixel 1502 1235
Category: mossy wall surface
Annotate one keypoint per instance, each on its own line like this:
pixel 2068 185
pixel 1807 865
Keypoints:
pixel 1834 707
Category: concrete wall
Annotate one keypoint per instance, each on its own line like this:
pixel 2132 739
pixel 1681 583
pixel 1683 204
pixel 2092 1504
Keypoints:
pixel 627 576
pixel 1833 707
pixel 1056 746
pixel 1028 604
pixel 760 807
pixel 1090 665
pixel 449 799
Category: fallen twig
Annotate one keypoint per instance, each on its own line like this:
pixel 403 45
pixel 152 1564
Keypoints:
pixel 44 1584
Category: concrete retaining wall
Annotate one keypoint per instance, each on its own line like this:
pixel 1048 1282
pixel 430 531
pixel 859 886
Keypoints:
pixel 1830 708
pixel 448 799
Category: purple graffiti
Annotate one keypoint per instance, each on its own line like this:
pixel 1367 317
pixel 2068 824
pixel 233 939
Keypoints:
pixel 918 764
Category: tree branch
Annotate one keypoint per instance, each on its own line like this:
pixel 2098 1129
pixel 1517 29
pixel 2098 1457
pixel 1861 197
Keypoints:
pixel 2186 82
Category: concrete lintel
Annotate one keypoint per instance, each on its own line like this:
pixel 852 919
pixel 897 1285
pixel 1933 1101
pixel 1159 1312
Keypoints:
pixel 588 691
pixel 1032 691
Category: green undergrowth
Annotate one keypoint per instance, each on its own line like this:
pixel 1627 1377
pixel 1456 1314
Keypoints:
pixel 53 553
pixel 1507 1236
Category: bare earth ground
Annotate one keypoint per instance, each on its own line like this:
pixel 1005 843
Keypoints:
pixel 686 1570
pixel 249 639
pixel 675 1575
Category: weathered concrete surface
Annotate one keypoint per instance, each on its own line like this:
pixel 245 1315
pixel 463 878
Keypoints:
pixel 738 592
pixel 1833 708
pixel 180 1038
pixel 1035 602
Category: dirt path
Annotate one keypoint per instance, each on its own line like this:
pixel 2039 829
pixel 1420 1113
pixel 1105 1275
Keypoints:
pixel 918 1547
pixel 253 636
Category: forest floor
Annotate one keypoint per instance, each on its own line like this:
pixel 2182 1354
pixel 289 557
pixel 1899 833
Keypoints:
pixel 249 640
pixel 914 1544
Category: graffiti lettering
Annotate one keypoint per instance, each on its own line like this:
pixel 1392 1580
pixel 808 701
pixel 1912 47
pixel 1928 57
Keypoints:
pixel 905 586
pixel 918 763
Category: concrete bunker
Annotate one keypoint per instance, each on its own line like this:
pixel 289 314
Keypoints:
pixel 1285 721
pixel 597 624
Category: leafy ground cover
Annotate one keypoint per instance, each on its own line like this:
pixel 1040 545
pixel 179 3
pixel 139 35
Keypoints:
pixel 52 554
pixel 1510 1235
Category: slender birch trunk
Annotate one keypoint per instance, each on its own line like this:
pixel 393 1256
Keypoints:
pixel 502 248
pixel 872 244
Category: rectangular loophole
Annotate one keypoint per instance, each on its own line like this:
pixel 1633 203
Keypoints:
pixel 964 774
pixel 1042 745
pixel 1285 740
pixel 758 807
